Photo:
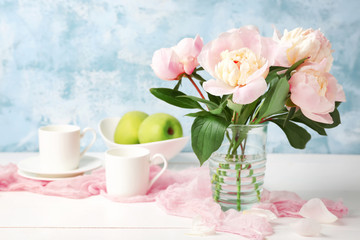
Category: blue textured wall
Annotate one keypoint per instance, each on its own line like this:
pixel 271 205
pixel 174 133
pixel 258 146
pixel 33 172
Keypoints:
pixel 80 61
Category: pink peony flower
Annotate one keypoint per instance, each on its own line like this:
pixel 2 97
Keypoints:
pixel 315 91
pixel 170 63
pixel 239 61
pixel 298 44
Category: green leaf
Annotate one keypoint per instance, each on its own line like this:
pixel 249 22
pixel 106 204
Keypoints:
pixel 336 118
pixel 207 134
pixel 208 103
pixel 289 115
pixel 214 99
pixel 219 110
pixel 275 98
pixel 290 103
pixel 277 68
pixel 234 106
pixel 199 114
pixel 271 77
pixel 248 111
pixel 297 136
pixel 293 67
pixel 311 124
pixel 171 96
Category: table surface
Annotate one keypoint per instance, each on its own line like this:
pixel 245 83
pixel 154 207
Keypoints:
pixel 25 215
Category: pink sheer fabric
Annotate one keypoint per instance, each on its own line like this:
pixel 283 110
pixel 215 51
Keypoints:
pixel 185 193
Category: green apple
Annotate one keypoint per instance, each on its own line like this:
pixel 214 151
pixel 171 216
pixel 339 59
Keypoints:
pixel 127 129
pixel 158 127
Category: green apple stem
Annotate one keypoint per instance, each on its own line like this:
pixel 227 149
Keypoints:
pixel 170 131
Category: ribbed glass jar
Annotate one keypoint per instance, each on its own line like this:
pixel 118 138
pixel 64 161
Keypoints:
pixel 237 168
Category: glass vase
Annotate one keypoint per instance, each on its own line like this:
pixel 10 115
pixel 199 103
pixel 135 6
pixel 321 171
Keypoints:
pixel 237 168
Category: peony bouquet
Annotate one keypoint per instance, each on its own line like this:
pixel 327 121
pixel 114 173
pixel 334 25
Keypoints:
pixel 283 79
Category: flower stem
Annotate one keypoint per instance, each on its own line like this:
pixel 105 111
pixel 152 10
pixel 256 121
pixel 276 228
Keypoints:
pixel 253 119
pixel 193 83
pixel 264 120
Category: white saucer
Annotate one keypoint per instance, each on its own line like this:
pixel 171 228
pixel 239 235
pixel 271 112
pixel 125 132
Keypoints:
pixel 44 177
pixel 31 167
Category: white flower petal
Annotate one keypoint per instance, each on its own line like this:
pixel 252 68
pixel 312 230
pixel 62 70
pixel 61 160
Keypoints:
pixel 217 87
pixel 199 228
pixel 269 215
pixel 316 210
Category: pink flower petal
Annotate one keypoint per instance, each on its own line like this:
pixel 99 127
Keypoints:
pixel 336 208
pixel 315 91
pixel 166 64
pixel 307 227
pixel 190 65
pixel 307 65
pixel 217 87
pixel 323 118
pixel 307 43
pixel 188 49
pixel 260 73
pixel 270 50
pixel 245 37
pixel 280 57
pixel 276 34
pixel 210 54
pixel 340 94
pixel 304 94
pixel 276 196
pixel 248 225
pixel 332 88
pixel 315 209
pixel 250 92
pixel 281 203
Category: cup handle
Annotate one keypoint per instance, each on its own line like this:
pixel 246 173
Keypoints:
pixel 92 141
pixel 158 155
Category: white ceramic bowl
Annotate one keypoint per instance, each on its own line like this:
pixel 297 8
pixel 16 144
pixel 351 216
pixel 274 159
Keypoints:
pixel 169 148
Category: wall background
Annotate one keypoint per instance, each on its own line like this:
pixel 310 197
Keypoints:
pixel 80 61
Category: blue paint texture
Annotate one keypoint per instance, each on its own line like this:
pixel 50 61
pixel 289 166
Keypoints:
pixel 78 61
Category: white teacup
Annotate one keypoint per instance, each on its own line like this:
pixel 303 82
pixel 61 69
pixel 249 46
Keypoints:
pixel 59 146
pixel 127 171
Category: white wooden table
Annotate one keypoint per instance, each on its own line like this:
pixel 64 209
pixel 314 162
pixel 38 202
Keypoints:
pixel 25 215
